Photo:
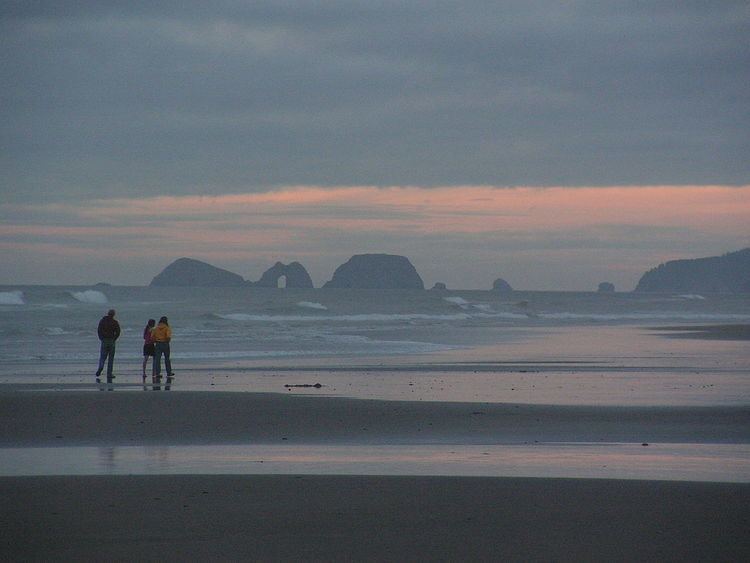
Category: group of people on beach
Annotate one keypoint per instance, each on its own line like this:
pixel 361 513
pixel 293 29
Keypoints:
pixel 156 339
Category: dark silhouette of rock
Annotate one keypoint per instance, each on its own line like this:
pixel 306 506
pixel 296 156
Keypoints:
pixel 376 271
pixel 439 286
pixel 501 285
pixel 296 276
pixel 606 287
pixel 729 273
pixel 187 272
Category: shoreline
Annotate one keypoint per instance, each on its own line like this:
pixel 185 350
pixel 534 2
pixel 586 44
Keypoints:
pixel 344 518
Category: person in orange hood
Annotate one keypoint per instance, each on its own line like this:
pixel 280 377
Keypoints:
pixel 162 336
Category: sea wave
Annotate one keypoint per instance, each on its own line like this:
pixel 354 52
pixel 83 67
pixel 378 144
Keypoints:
pixel 90 296
pixel 460 301
pixel 311 305
pixel 11 298
pixel 364 317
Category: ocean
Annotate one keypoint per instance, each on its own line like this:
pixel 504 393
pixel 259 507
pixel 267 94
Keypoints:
pixel 543 347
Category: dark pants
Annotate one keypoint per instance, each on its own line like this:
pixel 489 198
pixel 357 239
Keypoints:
pixel 106 352
pixel 161 349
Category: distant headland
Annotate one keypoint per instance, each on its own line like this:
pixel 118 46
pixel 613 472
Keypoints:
pixel 729 273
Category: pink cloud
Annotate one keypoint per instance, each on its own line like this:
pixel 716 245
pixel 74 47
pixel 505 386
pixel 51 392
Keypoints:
pixel 463 209
pixel 255 224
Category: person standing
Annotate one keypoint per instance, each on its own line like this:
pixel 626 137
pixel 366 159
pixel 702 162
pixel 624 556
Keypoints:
pixel 148 344
pixel 162 335
pixel 108 331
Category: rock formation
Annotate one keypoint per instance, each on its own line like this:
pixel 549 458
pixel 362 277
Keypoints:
pixel 376 271
pixel 439 286
pixel 501 285
pixel 296 276
pixel 606 287
pixel 187 272
pixel 729 273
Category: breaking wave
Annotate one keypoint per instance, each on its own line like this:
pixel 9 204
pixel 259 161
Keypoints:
pixel 11 298
pixel 90 296
pixel 311 305
pixel 364 317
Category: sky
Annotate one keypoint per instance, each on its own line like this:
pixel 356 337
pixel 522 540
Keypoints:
pixel 554 144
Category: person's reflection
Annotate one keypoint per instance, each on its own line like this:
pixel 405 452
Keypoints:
pixel 156 385
pixel 157 458
pixel 108 458
pixel 109 386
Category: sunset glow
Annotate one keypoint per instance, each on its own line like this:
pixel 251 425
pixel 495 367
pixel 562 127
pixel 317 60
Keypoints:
pixel 307 221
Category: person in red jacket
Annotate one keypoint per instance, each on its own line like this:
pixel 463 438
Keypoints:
pixel 148 344
pixel 109 332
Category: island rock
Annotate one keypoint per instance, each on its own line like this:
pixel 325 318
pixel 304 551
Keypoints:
pixel 187 272
pixel 439 286
pixel 295 273
pixel 376 271
pixel 729 273
pixel 606 287
pixel 501 285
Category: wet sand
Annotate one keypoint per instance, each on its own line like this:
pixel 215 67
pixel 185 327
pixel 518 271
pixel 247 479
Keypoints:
pixel 707 332
pixel 345 518
pixel 78 418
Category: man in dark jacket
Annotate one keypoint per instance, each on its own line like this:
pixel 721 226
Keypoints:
pixel 109 332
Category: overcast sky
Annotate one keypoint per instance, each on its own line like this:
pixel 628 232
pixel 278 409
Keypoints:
pixel 107 104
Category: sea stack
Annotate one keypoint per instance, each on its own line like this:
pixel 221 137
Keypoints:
pixel 501 285
pixel 187 272
pixel 376 271
pixel 295 273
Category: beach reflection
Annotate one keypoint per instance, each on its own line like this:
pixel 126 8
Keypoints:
pixel 108 459
pixel 674 462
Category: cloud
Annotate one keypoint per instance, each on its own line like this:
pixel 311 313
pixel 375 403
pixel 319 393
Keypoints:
pixel 102 99
pixel 480 228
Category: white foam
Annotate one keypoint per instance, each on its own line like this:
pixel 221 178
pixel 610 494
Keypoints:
pixel 483 307
pixel 11 298
pixel 311 305
pixel 90 296
pixel 365 317
pixel 54 330
pixel 460 301
pixel 692 296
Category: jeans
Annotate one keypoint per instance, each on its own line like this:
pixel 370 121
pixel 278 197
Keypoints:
pixel 161 348
pixel 107 351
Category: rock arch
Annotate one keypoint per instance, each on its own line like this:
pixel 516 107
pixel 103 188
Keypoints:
pixel 295 274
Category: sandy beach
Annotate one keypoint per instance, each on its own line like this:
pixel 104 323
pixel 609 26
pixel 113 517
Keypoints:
pixel 78 418
pixel 358 517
